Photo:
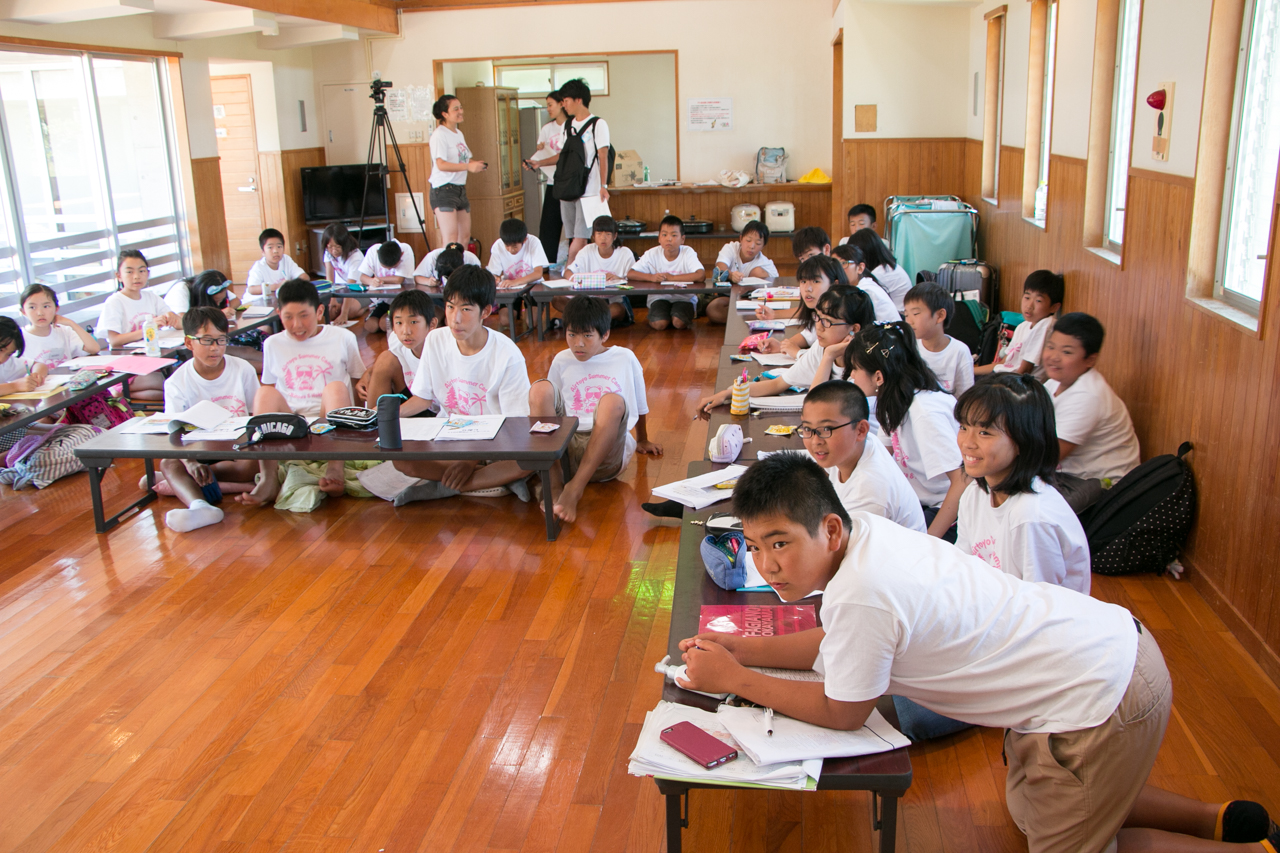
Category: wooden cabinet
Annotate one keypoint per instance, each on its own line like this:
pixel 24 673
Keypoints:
pixel 491 124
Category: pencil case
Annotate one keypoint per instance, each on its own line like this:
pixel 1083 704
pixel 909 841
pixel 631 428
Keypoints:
pixel 591 281
pixel 725 558
pixel 353 417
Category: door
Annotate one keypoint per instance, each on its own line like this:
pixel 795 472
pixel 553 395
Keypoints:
pixel 348 119
pixel 238 160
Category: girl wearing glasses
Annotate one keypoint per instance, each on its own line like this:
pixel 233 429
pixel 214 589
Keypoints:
pixel 916 414
pixel 814 277
pixel 840 313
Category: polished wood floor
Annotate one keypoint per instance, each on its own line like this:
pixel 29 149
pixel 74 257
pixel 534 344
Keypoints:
pixel 441 678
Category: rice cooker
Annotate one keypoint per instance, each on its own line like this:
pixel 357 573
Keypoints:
pixel 780 216
pixel 742 214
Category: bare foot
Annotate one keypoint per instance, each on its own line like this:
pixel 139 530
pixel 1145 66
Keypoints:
pixel 334 481
pixel 565 505
pixel 263 493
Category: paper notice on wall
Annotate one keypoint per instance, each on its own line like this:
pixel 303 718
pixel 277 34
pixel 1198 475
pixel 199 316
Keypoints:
pixel 421 99
pixel 398 104
pixel 707 114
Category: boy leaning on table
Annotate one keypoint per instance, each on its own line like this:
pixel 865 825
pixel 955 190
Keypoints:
pixel 1078 683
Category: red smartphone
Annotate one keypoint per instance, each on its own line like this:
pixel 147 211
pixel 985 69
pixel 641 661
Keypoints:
pixel 693 742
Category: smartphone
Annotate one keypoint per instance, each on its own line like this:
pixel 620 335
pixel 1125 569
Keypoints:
pixel 692 742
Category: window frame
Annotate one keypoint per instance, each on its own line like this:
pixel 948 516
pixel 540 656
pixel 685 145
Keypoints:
pixel 1118 168
pixel 551 67
pixel 1041 80
pixel 993 102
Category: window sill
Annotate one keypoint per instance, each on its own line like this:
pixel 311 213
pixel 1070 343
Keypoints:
pixel 1105 254
pixel 994 202
pixel 1221 310
pixel 1039 223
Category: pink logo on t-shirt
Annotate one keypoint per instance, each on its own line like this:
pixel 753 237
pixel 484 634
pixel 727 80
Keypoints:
pixel 900 456
pixel 464 153
pixel 985 550
pixel 1011 354
pixel 232 404
pixel 518 269
pixel 138 321
pixel 464 397
pixel 585 394
pixel 306 375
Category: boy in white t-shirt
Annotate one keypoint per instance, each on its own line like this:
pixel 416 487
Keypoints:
pixel 603 387
pixel 1042 296
pixel 739 259
pixel 273 269
pixel 835 425
pixel 15 377
pixel 670 262
pixel 928 313
pixel 439 264
pixel 577 215
pixel 307 369
pixel 1079 683
pixel 468 369
pixel 860 216
pixel 389 263
pixel 230 382
pixel 413 316
pixel 1096 441
pixel 516 258
pixel 606 256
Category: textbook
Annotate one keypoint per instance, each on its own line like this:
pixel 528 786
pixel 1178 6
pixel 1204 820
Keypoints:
pixel 744 620
pixel 793 740
pixel 698 492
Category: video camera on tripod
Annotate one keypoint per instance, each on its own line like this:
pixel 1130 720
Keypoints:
pixel 378 89
pixel 376 164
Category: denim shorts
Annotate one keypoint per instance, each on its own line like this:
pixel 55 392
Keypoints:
pixel 450 198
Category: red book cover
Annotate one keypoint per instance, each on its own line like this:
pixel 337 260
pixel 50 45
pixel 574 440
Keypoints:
pixel 747 621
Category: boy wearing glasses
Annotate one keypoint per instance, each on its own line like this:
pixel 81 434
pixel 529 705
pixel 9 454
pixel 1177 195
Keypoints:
pixel 835 425
pixel 231 383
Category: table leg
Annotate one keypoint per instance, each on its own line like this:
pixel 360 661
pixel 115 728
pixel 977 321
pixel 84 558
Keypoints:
pixel 676 821
pixel 888 823
pixel 95 492
pixel 548 505
pixel 95 467
pixel 537 319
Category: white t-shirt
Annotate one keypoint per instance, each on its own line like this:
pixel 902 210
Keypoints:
pixel 731 256
pixel 428 266
pixel 1034 536
pixel 1027 342
pixel 451 147
pixel 655 261
pixel 895 282
pixel 346 270
pixel 910 615
pixel 1091 416
pixel 262 276
pixel 582 383
pixel 589 260
pixel 880 301
pixel 408 361
pixel 121 315
pixel 58 346
pixel 12 369
pixel 179 297
pixel 551 137
pixel 234 390
pixel 877 486
pixel 592 141
pixel 924 445
pixel 371 266
pixel 506 266
pixel 494 381
pixel 301 369
pixel 802 372
pixel 953 366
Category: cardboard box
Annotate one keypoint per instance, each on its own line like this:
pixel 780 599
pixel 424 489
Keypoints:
pixel 628 169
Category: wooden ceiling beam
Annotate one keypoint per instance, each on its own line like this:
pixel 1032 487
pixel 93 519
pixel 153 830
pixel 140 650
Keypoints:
pixel 443 5
pixel 379 15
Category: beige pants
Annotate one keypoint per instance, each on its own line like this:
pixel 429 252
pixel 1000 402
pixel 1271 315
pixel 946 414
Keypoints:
pixel 1072 792
pixel 614 461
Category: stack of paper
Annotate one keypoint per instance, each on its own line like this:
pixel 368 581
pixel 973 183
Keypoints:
pixel 773 359
pixel 793 740
pixel 468 427
pixel 751 305
pixel 52 385
pixel 788 403
pixel 167 338
pixel 257 311
pixel 652 757
pixel 557 282
pixel 228 430
pixel 753 281
pixel 699 492
pixel 773 293
pixel 91 362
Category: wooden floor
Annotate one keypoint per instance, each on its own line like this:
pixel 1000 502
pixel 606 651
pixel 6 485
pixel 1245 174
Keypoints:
pixel 441 678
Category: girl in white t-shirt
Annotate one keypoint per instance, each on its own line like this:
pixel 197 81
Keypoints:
pixel 854 263
pixel 49 338
pixel 210 288
pixel 550 142
pixel 1011 516
pixel 126 312
pixel 916 414
pixel 450 163
pixel 883 265
pixel 742 258
pixel 602 254
pixel 342 260
pixel 814 277
pixel 14 375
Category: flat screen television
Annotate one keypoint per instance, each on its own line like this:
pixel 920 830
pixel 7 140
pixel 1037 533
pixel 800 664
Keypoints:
pixel 333 192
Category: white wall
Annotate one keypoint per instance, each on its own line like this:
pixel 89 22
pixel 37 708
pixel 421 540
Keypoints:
pixel 908 60
pixel 781 88
pixel 1174 40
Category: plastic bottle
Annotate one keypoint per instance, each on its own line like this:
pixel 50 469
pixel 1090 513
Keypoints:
pixel 646 174
pixel 151 337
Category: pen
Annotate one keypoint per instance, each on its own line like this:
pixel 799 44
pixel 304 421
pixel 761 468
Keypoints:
pixel 768 721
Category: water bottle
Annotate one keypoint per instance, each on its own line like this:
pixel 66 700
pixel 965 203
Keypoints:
pixel 151 337
pixel 389 422
pixel 646 174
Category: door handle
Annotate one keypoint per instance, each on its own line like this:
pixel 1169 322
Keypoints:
pixel 247 189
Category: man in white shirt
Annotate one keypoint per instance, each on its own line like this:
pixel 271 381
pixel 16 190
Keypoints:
pixel 1080 685
pixel 580 213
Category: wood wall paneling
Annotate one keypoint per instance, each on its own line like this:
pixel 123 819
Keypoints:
pixel 209 248
pixel 295 223
pixel 875 169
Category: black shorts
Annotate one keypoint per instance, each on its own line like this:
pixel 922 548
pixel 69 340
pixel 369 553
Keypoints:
pixel 379 309
pixel 405 395
pixel 450 198
pixel 664 309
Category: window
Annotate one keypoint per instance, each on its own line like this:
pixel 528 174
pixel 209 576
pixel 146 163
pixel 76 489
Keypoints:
pixel 1248 199
pixel 1035 171
pixel 1126 79
pixel 994 104
pixel 535 81
pixel 81 188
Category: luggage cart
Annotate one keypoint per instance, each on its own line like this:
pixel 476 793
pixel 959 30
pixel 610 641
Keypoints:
pixel 926 231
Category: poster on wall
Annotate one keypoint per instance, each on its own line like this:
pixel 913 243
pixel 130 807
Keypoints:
pixel 709 114
pixel 398 104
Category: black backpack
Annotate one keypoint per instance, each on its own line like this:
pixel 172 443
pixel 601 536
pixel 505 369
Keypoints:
pixel 1141 523
pixel 994 333
pixel 572 169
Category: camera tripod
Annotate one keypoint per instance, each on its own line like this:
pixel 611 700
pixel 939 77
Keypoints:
pixel 379 135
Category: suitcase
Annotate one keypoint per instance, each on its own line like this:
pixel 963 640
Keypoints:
pixel 925 232
pixel 966 277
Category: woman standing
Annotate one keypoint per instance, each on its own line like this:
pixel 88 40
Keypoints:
pixel 550 140
pixel 451 161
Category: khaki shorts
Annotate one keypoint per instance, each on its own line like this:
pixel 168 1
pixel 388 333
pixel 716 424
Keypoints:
pixel 1072 792
pixel 576 226
pixel 614 461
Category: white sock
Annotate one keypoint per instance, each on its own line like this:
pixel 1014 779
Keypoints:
pixel 200 514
